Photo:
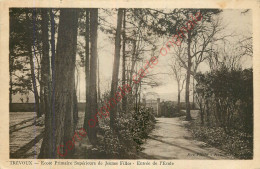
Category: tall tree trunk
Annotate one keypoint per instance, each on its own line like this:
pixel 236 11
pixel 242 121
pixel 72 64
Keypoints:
pixel 30 43
pixel 45 70
pixel 187 92
pixel 193 92
pixel 75 108
pixel 11 90
pixel 11 80
pixel 87 74
pixel 60 122
pixel 35 90
pixel 116 66
pixel 124 99
pixel 41 88
pixel 42 106
pixel 45 63
pixel 133 62
pixel 207 111
pixel 47 148
pixel 99 97
pixel 69 126
pixel 179 98
pixel 78 82
pixel 139 96
pixel 93 75
pixel 201 113
pixel 136 92
pixel 52 57
pixel 53 51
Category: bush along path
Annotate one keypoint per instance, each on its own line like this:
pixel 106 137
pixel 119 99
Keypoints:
pixel 171 140
pixel 132 129
pixel 237 143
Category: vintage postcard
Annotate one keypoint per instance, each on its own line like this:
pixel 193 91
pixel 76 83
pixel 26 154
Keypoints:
pixel 129 84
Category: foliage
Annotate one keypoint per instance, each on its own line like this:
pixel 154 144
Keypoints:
pixel 236 143
pixel 225 97
pixel 169 110
pixel 142 124
pixel 230 96
pixel 131 130
pixel 24 33
pixel 169 22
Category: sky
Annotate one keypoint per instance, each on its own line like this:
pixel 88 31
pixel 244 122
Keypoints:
pixel 233 21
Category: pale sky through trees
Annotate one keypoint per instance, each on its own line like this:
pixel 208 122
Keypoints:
pixel 236 22
pixel 233 20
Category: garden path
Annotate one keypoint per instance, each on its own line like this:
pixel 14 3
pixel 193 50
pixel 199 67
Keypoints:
pixel 171 140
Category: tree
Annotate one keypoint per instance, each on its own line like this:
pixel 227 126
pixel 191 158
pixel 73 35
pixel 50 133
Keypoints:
pixel 87 108
pixel 45 63
pixel 124 99
pixel 114 82
pixel 30 44
pixel 230 95
pixel 177 71
pixel 183 24
pixel 59 123
pixel 27 54
pixel 135 44
pixel 230 55
pixel 93 75
pixel 199 37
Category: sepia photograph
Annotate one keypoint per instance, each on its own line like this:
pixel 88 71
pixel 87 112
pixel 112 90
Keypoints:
pixel 131 83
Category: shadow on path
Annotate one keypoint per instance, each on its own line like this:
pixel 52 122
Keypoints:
pixel 195 152
pixel 171 140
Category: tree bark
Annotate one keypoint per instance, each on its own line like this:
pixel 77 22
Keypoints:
pixel 75 108
pixel 179 98
pixel 87 74
pixel 187 92
pixel 35 90
pixel 47 143
pixel 98 92
pixel 207 111
pixel 116 66
pixel 11 80
pixel 193 92
pixel 71 113
pixel 45 63
pixel 93 75
pixel 32 66
pixel 124 99
pixel 59 123
pixel 201 113
pixel 133 62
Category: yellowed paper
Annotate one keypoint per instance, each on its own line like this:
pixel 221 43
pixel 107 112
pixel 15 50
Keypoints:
pixel 180 151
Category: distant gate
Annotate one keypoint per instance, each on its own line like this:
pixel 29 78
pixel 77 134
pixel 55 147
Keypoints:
pixel 154 103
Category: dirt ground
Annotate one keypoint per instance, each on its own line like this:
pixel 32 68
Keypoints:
pixel 171 140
